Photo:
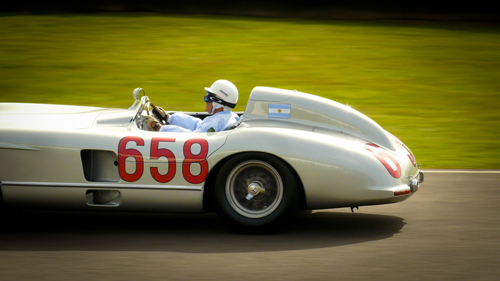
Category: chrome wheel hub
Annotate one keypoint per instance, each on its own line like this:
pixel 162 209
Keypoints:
pixel 255 188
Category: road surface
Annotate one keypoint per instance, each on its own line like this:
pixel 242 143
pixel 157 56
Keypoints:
pixel 449 230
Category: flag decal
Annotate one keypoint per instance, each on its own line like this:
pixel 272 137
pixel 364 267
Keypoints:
pixel 279 110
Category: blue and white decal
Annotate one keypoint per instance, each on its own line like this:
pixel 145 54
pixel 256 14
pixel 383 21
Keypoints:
pixel 279 110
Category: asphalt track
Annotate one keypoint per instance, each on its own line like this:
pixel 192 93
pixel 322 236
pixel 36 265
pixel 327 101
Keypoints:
pixel 449 230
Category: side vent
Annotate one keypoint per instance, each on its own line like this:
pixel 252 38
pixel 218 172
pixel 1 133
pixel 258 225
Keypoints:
pixel 105 198
pixel 100 165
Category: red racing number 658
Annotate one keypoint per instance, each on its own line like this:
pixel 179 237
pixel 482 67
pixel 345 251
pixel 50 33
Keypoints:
pixel 190 158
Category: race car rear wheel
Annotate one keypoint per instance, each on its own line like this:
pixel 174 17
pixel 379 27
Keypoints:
pixel 256 191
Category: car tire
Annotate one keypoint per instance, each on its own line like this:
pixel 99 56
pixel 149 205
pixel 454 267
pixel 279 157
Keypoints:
pixel 256 192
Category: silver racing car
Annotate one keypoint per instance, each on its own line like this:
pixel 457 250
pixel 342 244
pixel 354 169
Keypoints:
pixel 289 151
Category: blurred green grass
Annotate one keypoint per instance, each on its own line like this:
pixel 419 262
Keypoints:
pixel 434 85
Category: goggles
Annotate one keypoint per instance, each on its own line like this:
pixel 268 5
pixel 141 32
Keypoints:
pixel 211 97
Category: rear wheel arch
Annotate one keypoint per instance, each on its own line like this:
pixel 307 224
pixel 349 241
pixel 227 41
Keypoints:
pixel 230 191
pixel 209 188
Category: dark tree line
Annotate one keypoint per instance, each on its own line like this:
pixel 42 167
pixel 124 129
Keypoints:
pixel 477 10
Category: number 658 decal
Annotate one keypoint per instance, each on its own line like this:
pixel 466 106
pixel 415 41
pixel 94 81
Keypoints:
pixel 156 152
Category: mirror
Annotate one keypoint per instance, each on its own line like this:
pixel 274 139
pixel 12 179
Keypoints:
pixel 138 93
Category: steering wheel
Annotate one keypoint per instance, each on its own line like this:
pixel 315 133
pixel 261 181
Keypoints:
pixel 154 109
pixel 150 110
pixel 139 119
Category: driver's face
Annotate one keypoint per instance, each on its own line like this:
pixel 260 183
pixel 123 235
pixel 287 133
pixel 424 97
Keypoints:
pixel 209 107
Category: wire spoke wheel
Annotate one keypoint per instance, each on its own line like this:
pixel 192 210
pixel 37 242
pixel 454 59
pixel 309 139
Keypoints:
pixel 256 192
pixel 254 189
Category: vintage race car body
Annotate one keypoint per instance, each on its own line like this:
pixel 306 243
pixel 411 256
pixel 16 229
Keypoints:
pixel 313 153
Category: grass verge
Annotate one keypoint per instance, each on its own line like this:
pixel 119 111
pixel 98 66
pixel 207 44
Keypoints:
pixel 434 85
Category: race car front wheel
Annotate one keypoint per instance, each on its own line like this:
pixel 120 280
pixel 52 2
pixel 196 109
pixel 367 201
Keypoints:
pixel 256 192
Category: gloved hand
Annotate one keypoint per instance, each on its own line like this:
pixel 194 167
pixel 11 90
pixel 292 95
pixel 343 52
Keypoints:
pixel 152 124
pixel 161 114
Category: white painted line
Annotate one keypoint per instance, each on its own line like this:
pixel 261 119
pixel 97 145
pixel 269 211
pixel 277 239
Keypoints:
pixel 463 171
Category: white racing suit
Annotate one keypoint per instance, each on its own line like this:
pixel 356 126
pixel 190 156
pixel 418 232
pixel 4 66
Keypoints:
pixel 180 122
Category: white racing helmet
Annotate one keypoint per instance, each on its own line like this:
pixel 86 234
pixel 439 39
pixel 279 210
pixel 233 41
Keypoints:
pixel 222 92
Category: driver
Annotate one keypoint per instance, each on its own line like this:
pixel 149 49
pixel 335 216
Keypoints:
pixel 220 99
